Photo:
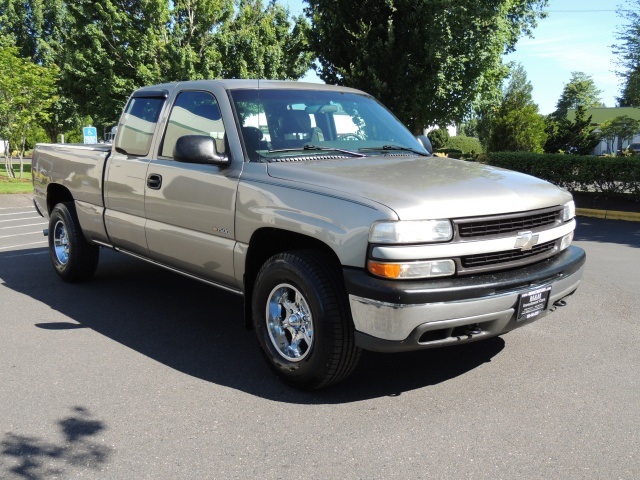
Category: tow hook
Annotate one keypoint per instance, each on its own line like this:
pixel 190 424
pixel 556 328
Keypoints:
pixel 556 304
pixel 45 232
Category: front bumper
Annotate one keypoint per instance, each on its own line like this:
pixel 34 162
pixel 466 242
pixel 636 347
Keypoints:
pixel 395 316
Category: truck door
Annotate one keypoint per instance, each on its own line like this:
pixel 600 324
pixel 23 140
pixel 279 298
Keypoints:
pixel 125 177
pixel 190 207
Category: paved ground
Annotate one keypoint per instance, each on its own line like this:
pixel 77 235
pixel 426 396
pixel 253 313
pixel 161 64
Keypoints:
pixel 142 374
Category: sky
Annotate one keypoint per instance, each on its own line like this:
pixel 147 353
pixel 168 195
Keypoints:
pixel 577 35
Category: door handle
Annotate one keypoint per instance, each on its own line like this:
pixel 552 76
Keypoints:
pixel 154 181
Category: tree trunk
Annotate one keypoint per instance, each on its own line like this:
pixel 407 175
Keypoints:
pixel 24 141
pixel 8 165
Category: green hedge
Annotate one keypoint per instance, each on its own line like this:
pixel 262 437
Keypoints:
pixel 26 167
pixel 465 144
pixel 609 175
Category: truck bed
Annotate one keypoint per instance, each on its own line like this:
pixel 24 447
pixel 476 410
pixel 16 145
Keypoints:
pixel 78 167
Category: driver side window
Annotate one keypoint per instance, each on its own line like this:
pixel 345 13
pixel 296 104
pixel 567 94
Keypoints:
pixel 193 113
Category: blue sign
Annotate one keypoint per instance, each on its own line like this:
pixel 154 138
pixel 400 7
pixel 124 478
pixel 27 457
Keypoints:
pixel 90 135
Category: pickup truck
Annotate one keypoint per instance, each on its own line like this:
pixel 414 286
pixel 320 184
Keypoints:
pixel 338 227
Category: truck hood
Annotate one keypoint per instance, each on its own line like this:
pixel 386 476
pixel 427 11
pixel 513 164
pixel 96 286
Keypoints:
pixel 425 187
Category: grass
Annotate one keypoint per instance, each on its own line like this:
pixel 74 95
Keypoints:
pixel 15 185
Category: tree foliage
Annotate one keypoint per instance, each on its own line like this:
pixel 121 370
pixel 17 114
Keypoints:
pixel 192 39
pixel 628 55
pixel 109 48
pixel 566 136
pixel 112 48
pixel 262 42
pixel 516 124
pixel 580 91
pixel 35 27
pixel 438 138
pixel 622 127
pixel 427 60
pixel 26 91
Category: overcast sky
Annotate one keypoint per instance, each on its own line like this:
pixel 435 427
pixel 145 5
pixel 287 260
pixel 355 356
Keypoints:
pixel 576 36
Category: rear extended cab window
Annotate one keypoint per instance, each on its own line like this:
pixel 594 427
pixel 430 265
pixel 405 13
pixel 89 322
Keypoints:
pixel 138 124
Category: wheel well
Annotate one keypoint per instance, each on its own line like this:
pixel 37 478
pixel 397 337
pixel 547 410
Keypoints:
pixel 266 243
pixel 57 194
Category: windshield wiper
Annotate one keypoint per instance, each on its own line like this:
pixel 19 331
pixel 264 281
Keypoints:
pixel 396 147
pixel 315 148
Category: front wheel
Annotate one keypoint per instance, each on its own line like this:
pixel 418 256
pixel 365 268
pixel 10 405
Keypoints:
pixel 74 258
pixel 302 320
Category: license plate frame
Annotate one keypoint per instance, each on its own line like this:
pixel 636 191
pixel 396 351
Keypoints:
pixel 533 304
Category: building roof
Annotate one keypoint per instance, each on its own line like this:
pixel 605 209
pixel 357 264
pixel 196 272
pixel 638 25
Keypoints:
pixel 600 115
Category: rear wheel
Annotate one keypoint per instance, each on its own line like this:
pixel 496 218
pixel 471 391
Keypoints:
pixel 302 319
pixel 74 258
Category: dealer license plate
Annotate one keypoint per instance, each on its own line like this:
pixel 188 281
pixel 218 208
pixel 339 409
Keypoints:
pixel 533 304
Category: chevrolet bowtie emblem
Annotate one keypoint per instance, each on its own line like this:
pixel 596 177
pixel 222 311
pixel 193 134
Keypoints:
pixel 526 240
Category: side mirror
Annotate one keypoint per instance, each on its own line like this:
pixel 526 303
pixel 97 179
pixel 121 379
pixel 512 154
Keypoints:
pixel 198 149
pixel 425 142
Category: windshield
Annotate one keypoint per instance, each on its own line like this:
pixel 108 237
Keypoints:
pixel 280 124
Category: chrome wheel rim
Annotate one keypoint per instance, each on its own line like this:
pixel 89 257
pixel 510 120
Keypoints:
pixel 61 243
pixel 289 322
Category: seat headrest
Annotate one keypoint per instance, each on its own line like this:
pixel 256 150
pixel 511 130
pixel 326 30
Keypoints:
pixel 296 121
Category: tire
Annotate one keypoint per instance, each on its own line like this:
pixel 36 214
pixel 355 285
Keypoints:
pixel 302 319
pixel 74 259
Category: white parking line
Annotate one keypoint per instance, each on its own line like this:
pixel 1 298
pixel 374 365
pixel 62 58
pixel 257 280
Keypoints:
pixel 26 225
pixel 21 234
pixel 23 218
pixel 18 213
pixel 25 245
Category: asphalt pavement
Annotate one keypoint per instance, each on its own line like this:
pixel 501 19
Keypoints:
pixel 143 374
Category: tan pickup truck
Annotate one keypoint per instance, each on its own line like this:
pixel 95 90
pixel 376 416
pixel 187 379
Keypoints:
pixel 317 205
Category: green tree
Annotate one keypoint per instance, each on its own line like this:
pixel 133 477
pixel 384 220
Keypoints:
pixel 193 38
pixel 112 48
pixel 263 42
pixel 26 91
pixel 438 138
pixel 428 60
pixel 580 91
pixel 35 27
pixel 577 136
pixel 623 128
pixel 628 55
pixel 516 124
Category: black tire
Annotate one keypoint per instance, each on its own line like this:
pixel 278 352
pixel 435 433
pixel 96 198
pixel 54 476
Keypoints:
pixel 74 259
pixel 306 281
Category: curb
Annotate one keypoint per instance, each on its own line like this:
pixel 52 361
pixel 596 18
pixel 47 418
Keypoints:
pixel 608 214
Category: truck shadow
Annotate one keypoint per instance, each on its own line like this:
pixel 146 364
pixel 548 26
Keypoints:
pixel 608 231
pixel 198 330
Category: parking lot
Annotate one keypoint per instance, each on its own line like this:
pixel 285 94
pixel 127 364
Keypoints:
pixel 143 374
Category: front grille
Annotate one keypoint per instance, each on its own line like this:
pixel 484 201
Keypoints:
pixel 488 259
pixel 496 225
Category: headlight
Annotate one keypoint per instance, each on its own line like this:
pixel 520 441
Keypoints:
pixel 568 211
pixel 412 270
pixel 411 231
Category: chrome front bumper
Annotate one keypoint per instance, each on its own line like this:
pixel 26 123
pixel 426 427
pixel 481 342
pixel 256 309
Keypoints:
pixel 444 313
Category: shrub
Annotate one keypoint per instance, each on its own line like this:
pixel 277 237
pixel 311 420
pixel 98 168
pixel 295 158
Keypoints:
pixel 576 172
pixel 438 137
pixel 467 145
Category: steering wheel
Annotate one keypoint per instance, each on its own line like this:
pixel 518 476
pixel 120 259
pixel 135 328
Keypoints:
pixel 349 137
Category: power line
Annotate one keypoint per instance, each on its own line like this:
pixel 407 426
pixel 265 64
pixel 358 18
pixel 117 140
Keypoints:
pixel 584 11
